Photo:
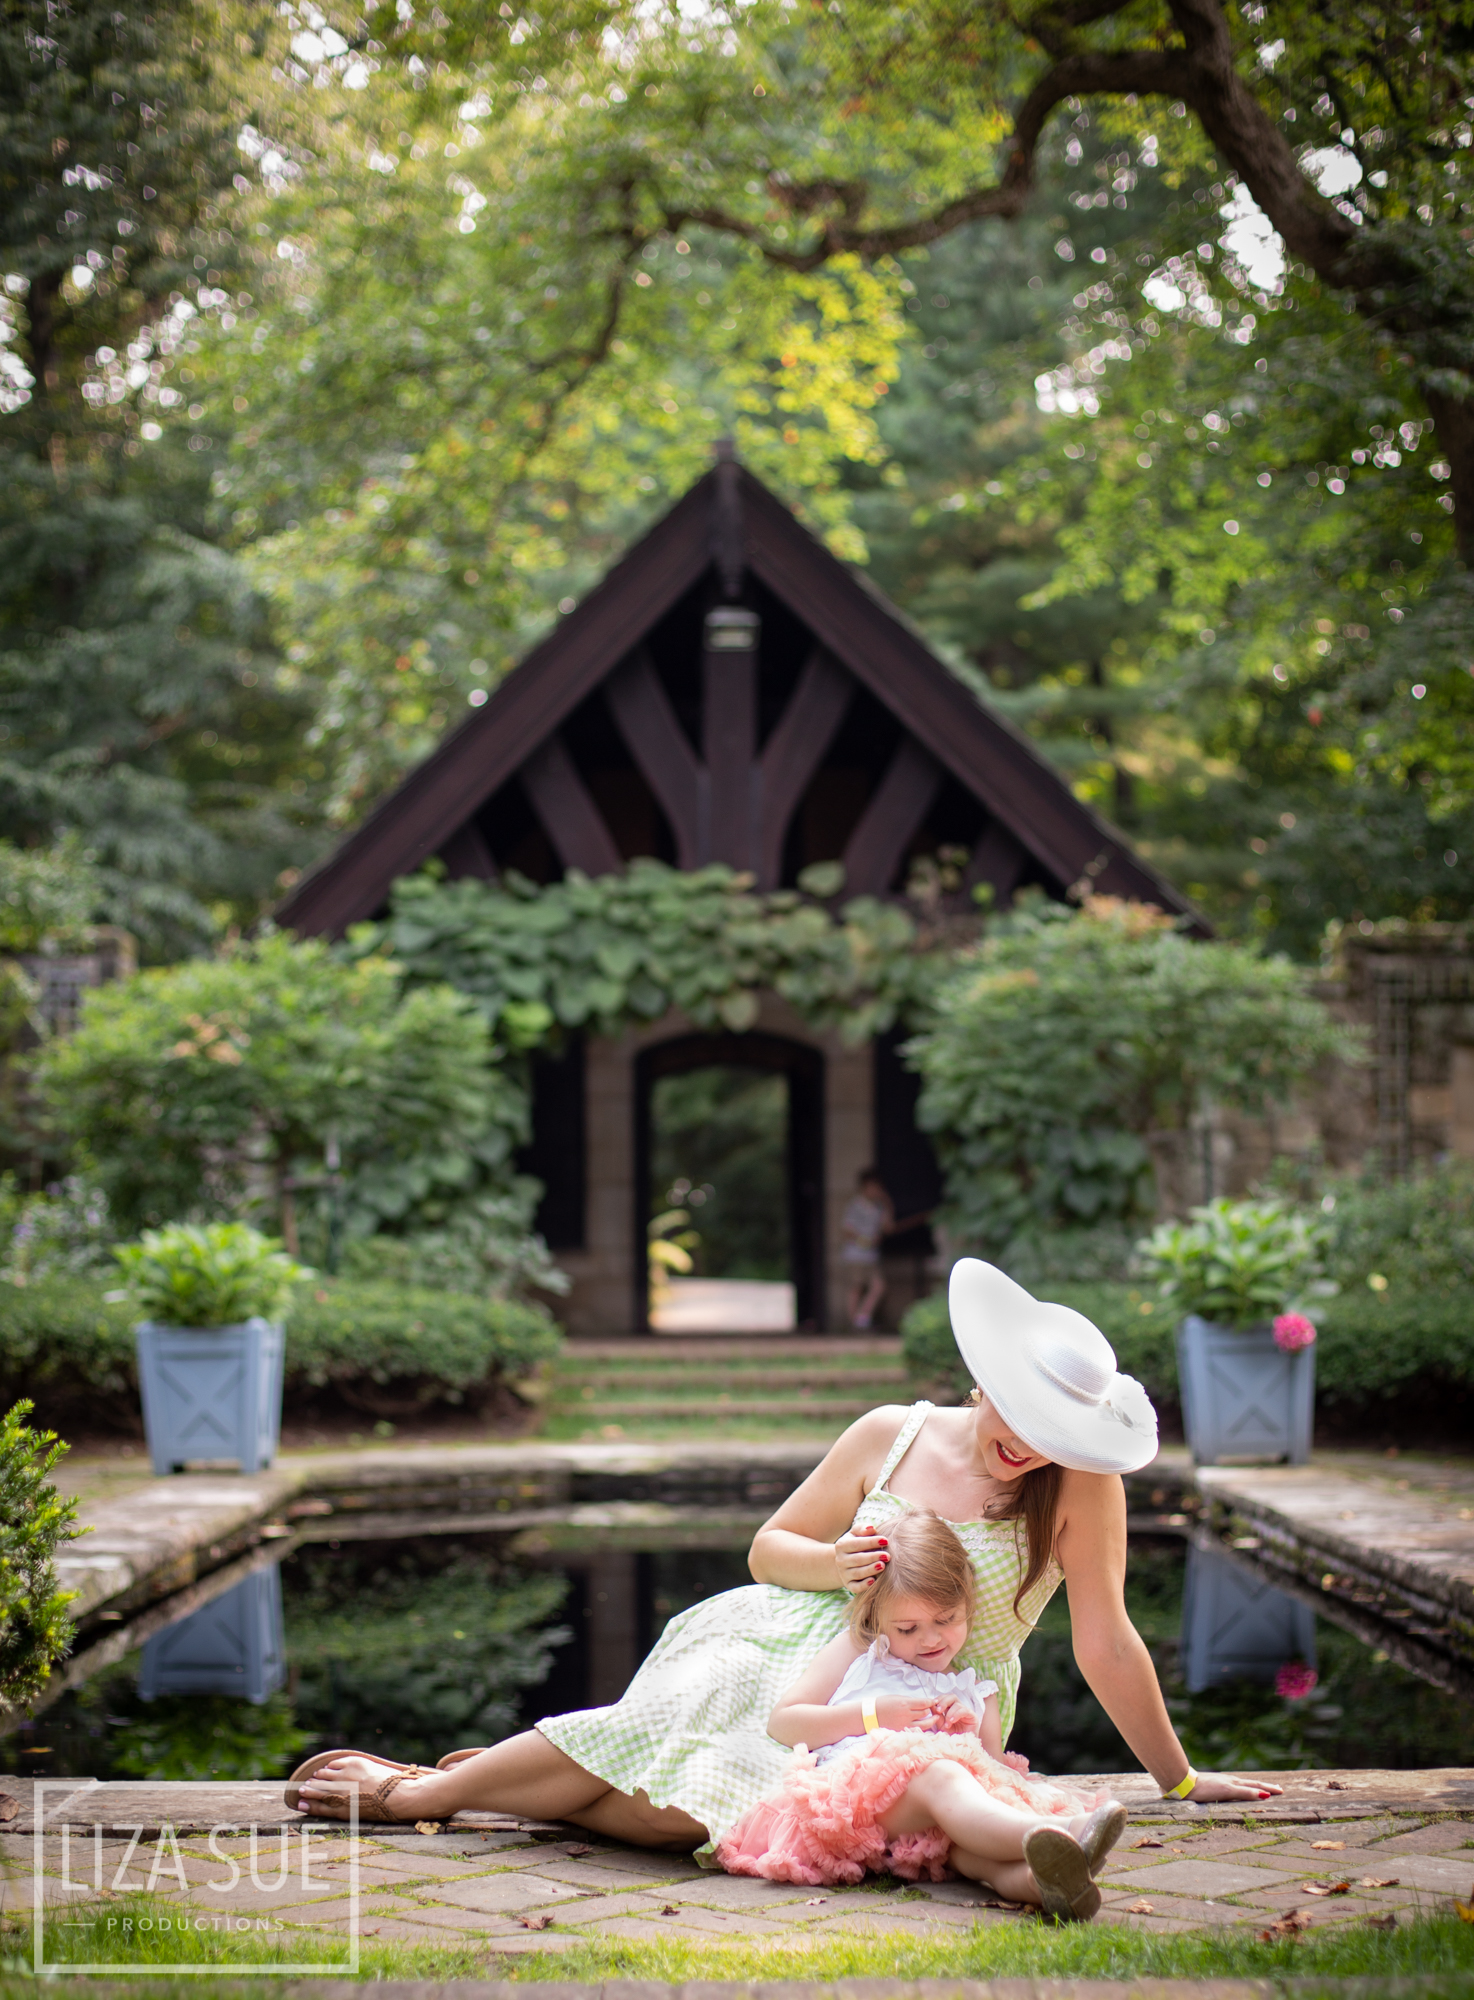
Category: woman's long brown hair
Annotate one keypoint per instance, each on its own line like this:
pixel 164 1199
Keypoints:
pixel 1035 1502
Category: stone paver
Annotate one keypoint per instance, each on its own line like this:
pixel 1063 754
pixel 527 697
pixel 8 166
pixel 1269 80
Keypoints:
pixel 425 1888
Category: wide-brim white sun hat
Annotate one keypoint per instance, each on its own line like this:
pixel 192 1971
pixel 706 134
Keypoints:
pixel 1049 1373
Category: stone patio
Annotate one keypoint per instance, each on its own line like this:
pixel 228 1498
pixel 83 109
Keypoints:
pixel 1399 1845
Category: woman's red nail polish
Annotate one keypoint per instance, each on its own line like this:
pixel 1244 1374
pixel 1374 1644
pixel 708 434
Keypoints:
pixel 884 1543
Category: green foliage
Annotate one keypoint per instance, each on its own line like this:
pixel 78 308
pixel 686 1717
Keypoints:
pixel 193 1738
pixel 447 1342
pixel 62 1232
pixel 149 730
pixel 478 1243
pixel 51 896
pixel 1239 1263
pixel 1066 1040
pixel 1403 1255
pixel 422 1660
pixel 71 1344
pixel 603 954
pixel 229 1081
pixel 215 1274
pixel 35 1631
pixel 719 1155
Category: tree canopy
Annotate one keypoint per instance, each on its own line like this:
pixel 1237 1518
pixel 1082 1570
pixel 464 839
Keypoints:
pixel 1126 343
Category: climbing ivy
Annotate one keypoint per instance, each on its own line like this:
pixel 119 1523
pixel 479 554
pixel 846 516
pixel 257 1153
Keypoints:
pixel 600 955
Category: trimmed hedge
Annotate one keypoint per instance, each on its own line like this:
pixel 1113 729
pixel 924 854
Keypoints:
pixel 1371 1345
pixel 61 1341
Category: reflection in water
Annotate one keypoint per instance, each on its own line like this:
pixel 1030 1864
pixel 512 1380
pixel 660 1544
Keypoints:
pixel 233 1645
pixel 416 1646
pixel 1237 1627
pixel 1364 1712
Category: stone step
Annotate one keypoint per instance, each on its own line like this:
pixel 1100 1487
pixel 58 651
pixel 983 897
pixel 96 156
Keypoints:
pixel 818 1410
pixel 702 1381
pixel 774 1349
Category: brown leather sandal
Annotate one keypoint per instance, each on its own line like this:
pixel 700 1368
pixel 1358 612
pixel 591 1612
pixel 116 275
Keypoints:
pixel 453 1757
pixel 372 1804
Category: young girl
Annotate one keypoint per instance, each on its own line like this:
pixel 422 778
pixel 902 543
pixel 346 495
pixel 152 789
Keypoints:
pixel 906 1772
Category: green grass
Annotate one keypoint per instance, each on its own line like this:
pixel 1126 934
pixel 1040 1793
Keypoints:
pixel 1439 1946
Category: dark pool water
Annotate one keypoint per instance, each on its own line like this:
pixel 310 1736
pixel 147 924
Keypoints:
pixel 419 1645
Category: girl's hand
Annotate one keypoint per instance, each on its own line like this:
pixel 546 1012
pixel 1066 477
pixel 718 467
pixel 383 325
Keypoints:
pixel 954 1717
pixel 899 1711
pixel 861 1556
pixel 1212 1790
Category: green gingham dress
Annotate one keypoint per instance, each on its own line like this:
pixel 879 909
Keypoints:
pixel 691 1730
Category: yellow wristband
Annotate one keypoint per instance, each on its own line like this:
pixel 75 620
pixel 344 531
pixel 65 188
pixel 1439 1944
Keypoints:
pixel 1183 1787
pixel 868 1715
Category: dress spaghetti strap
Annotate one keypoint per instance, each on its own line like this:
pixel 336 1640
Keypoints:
pixel 905 1438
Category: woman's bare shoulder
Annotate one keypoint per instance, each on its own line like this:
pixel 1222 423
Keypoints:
pixel 1091 1499
pixel 873 1433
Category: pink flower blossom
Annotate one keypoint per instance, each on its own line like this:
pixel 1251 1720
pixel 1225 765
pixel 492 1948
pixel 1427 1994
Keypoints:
pixel 1295 1680
pixel 1292 1331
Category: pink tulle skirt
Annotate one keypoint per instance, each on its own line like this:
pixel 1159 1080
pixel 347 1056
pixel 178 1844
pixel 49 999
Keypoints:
pixel 822 1825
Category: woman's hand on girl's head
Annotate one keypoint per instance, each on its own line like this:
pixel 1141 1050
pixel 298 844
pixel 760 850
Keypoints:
pixel 1212 1790
pixel 861 1558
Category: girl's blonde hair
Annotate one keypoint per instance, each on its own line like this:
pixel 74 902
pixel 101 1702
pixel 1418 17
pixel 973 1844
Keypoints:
pixel 926 1561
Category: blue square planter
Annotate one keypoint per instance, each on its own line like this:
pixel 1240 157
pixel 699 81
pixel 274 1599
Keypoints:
pixel 234 1645
pixel 211 1392
pixel 1243 1397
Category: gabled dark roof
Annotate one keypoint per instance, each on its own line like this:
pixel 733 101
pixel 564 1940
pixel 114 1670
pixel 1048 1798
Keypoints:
pixel 731 520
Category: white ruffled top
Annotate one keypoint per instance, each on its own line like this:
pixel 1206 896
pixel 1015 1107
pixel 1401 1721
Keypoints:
pixel 878 1672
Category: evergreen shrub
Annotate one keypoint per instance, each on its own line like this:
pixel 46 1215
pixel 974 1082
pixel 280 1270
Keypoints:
pixel 35 1521
pixel 71 1346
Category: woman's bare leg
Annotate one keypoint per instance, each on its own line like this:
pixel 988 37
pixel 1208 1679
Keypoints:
pixel 526 1775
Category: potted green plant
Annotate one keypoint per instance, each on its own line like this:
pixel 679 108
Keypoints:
pixel 212 1342
pixel 1241 1273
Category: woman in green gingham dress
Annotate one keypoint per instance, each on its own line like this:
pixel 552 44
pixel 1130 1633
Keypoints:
pixel 685 1752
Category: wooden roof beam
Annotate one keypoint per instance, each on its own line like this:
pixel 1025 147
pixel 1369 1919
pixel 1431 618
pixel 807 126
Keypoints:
pixel 897 807
pixel 794 752
pixel 659 746
pixel 571 820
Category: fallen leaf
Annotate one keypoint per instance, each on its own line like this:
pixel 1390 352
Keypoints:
pixel 1289 1925
pixel 9 1807
pixel 541 1923
pixel 1383 1920
pixel 1465 1910
pixel 427 1826
pixel 1330 1846
pixel 669 1910
pixel 1335 1785
pixel 575 1849
pixel 1326 1888
pixel 1147 1840
pixel 1380 1881
pixel 1140 1908
pixel 811 1901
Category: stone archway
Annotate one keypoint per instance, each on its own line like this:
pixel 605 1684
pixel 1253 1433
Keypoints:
pixel 802 1067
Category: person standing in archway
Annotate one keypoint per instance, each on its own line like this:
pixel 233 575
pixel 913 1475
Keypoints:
pixel 869 1216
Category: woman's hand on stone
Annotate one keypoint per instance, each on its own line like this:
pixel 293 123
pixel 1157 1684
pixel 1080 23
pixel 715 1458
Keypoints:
pixel 1212 1790
pixel 861 1556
